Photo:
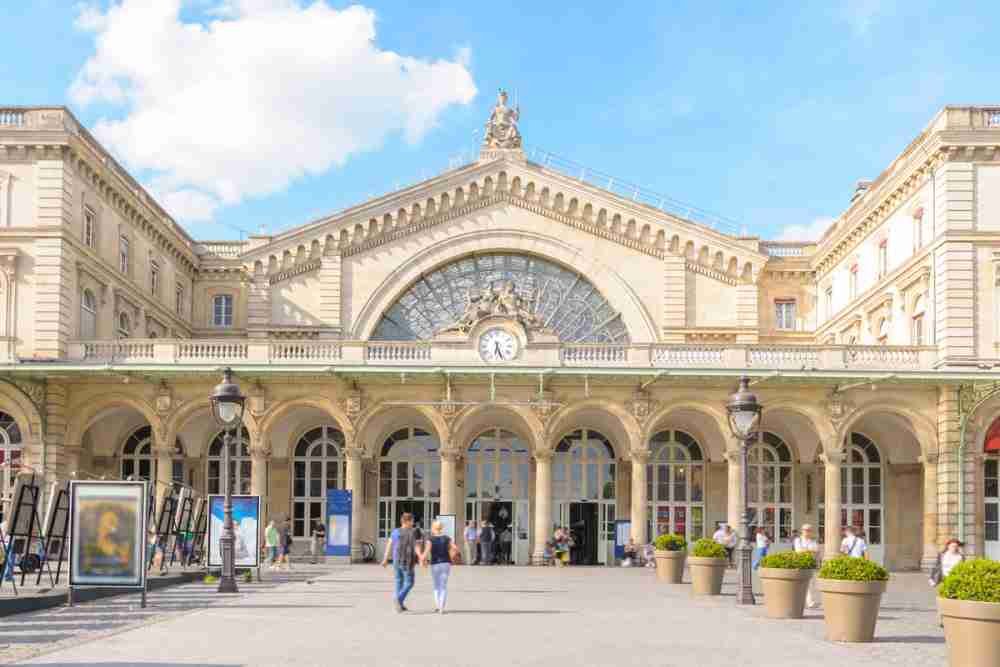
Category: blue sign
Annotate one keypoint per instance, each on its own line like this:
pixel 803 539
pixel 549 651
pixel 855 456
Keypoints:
pixel 338 522
pixel 623 531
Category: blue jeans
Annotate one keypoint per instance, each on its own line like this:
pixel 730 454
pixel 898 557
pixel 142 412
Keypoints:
pixel 758 554
pixel 404 582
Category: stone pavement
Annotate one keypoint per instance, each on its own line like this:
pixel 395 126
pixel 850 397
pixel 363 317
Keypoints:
pixel 497 616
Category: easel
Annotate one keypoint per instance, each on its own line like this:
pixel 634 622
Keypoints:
pixel 164 527
pixel 199 528
pixel 182 525
pixel 56 528
pixel 24 526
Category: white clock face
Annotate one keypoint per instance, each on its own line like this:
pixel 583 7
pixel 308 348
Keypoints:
pixel 498 345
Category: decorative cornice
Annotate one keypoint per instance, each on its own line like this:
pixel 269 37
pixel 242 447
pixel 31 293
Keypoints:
pixel 715 274
pixel 296 270
pixel 921 274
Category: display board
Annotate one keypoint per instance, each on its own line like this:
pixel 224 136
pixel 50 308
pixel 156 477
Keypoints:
pixel 107 534
pixel 623 533
pixel 56 528
pixel 448 525
pixel 246 526
pixel 338 522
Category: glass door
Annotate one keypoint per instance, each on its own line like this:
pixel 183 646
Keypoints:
pixel 522 533
pixel 991 496
pixel 606 549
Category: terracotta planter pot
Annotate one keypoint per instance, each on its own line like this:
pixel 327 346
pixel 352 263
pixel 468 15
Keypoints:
pixel 851 608
pixel 706 575
pixel 785 591
pixel 670 566
pixel 972 630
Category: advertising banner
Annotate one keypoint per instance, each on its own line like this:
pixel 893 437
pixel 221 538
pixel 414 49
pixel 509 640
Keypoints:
pixel 107 534
pixel 338 522
pixel 246 526
pixel 623 531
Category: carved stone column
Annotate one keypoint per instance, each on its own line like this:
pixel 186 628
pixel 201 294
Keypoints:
pixel 831 502
pixel 164 453
pixel 543 504
pixel 260 455
pixel 930 551
pixel 638 496
pixel 356 484
pixel 734 493
pixel 449 491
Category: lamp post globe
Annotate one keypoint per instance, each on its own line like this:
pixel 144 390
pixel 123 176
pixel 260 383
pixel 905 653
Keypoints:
pixel 744 419
pixel 227 408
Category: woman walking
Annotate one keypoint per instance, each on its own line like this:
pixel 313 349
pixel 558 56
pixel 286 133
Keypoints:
pixel 761 545
pixel 806 541
pixel 946 560
pixel 271 541
pixel 439 551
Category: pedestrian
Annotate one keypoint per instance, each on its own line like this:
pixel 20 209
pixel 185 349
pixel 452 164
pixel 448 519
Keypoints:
pixel 761 544
pixel 486 539
pixel 286 546
pixel 854 543
pixel 439 551
pixel 471 538
pixel 317 542
pixel 807 542
pixel 6 564
pixel 631 553
pixel 403 548
pixel 563 544
pixel 947 560
pixel 727 538
pixel 272 540
pixel 506 539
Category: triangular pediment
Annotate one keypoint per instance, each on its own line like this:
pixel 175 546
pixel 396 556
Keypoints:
pixel 555 197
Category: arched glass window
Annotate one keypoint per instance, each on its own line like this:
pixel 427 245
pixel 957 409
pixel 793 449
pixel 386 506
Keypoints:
pixel 88 315
pixel 769 475
pixel 560 298
pixel 497 467
pixel 991 491
pixel 675 485
pixel 124 325
pixel 139 461
pixel 239 464
pixel 318 466
pixel 584 467
pixel 409 478
pixel 861 494
pixel 10 455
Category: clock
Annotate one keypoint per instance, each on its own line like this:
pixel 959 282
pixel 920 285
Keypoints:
pixel 497 345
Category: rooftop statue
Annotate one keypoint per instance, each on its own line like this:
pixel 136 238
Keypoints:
pixel 501 128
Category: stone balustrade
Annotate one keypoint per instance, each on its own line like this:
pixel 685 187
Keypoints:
pixel 381 353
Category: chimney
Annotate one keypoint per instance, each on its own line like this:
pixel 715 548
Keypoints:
pixel 860 189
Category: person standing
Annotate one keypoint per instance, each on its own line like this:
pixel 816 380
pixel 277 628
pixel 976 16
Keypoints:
pixel 439 551
pixel 506 540
pixel 471 537
pixel 403 547
pixel 272 540
pixel 286 546
pixel 486 539
pixel 947 560
pixel 317 543
pixel 807 542
pixel 854 543
pixel 761 544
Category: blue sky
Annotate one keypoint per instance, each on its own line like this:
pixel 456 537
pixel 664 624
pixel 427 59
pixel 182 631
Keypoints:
pixel 248 113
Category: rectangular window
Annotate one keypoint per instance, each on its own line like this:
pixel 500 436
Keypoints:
pixel 222 310
pixel 784 314
pixel 883 258
pixel 89 227
pixel 853 283
pixel 829 302
pixel 179 305
pixel 154 277
pixel 123 254
pixel 917 335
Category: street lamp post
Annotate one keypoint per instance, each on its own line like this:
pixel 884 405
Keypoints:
pixel 227 408
pixel 744 419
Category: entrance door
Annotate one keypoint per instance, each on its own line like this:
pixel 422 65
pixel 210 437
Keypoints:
pixel 991 495
pixel 500 513
pixel 584 523
pixel 391 511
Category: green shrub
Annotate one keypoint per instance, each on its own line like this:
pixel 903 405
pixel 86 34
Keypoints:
pixel 977 580
pixel 790 560
pixel 248 576
pixel 848 568
pixel 670 542
pixel 209 579
pixel 706 548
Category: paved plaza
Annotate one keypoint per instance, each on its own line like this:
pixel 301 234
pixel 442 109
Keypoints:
pixel 497 616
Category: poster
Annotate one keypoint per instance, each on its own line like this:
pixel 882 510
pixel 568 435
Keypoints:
pixel 107 534
pixel 448 525
pixel 246 527
pixel 338 522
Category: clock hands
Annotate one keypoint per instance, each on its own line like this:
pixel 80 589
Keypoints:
pixel 497 351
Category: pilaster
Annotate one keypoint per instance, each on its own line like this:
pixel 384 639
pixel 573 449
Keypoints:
pixel 329 291
pixel 639 518
pixel 747 313
pixel 947 464
pixel 356 484
pixel 54 287
pixel 674 313
pixel 930 548
pixel 955 301
pixel 734 494
pixel 954 187
pixel 543 504
pixel 258 306
pixel 832 470
pixel 58 461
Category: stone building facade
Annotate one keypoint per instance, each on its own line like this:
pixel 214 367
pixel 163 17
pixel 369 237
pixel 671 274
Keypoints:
pixel 509 341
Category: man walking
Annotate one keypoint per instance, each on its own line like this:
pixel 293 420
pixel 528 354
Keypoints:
pixel 403 549
pixel 486 539
pixel 471 537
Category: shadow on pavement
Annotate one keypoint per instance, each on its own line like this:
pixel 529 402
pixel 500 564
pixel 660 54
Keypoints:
pixel 505 611
pixel 911 639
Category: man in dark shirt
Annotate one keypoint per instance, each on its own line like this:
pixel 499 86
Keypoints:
pixel 486 539
pixel 402 547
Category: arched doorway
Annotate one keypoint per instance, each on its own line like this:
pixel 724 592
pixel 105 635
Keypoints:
pixel 239 465
pixel 318 466
pixel 497 489
pixel 11 449
pixel 139 462
pixel 862 493
pixel 675 485
pixel 991 491
pixel 771 488
pixel 583 494
pixel 409 480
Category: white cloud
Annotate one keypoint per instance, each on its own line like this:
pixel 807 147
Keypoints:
pixel 862 14
pixel 266 92
pixel 811 232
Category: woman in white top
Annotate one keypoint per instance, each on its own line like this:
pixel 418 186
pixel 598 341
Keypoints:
pixel 806 541
pixel 947 560
pixel 854 543
pixel 761 544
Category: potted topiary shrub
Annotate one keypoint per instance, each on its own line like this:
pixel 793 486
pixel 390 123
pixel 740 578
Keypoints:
pixel 670 553
pixel 852 592
pixel 708 565
pixel 969 600
pixel 785 579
